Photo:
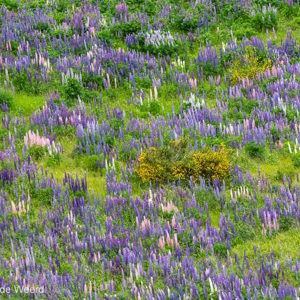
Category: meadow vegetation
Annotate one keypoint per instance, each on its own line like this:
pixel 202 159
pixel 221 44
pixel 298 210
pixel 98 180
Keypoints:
pixel 150 149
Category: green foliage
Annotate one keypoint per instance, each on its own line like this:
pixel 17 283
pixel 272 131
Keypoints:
pixel 42 26
pixel 93 79
pixel 53 160
pixel 220 249
pixel 262 21
pixel 285 223
pixel 9 4
pixel 89 96
pixel 245 31
pixel 184 24
pixel 72 90
pixel 168 91
pixel 295 22
pixel 28 83
pixel 296 159
pixel 37 152
pixel 6 98
pixel 106 36
pixel 142 82
pixel 210 70
pixel 239 106
pixel 275 134
pixel 244 233
pixel 116 123
pixel 291 11
pixel 288 171
pixel 133 26
pixel 65 131
pixel 42 196
pixel 255 151
pixel 153 107
pixel 62 6
pixel 91 162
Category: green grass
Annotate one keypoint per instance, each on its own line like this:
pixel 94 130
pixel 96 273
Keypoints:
pixel 284 245
pixel 67 164
pixel 270 166
pixel 27 104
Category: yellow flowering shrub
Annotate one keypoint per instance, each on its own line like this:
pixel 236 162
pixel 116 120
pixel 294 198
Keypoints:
pixel 175 162
pixel 211 164
pixel 148 168
pixel 182 170
pixel 248 67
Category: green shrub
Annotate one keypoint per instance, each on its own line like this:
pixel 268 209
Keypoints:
pixel 261 21
pixel 238 107
pixel 53 160
pixel 42 26
pixel 89 96
pixel 72 90
pixel 9 4
pixel 65 131
pixel 116 123
pixel 255 151
pixel 295 23
pixel 220 249
pixel 153 107
pixel 285 223
pixel 296 159
pixel 37 152
pixel 180 22
pixel 168 91
pixel 6 98
pixel 106 36
pixel 244 32
pixel 133 26
pixel 275 134
pixel 291 11
pixel 22 83
pixel 91 162
pixel 42 196
pixel 245 231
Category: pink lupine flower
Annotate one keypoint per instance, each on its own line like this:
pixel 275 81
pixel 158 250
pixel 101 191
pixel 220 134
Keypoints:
pixel 34 139
pixel 169 207
pixel 263 231
pixel 161 242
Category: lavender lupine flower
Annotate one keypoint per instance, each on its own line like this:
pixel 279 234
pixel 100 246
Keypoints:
pixel 121 7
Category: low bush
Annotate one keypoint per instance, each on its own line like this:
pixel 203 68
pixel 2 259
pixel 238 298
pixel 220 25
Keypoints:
pixel 175 161
pixel 248 66
pixel 37 152
pixel 255 151
pixel 296 159
pixel 6 98
pixel 220 249
pixel 285 223
pixel 72 90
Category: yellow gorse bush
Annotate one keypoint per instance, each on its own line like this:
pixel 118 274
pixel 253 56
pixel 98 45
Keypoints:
pixel 248 67
pixel 211 164
pixel 177 162
pixel 148 169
